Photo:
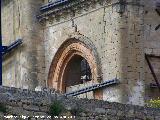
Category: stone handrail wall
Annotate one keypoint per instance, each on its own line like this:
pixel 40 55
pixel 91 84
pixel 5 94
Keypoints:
pixel 36 103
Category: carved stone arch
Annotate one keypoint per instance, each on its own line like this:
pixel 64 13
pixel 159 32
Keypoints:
pixel 77 45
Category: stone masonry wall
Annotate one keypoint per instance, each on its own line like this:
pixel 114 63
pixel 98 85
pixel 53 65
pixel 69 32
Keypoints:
pixel 117 38
pixel 23 67
pixel 36 103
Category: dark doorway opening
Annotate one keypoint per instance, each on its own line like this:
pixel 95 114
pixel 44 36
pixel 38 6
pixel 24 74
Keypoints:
pixel 77 72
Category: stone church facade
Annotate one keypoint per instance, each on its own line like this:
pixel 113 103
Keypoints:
pixel 80 43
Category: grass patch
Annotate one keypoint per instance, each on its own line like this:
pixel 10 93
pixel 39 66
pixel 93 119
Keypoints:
pixel 56 108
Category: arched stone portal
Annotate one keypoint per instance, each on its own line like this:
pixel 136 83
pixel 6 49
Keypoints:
pixel 71 50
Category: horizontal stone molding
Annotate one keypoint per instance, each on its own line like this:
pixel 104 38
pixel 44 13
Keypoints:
pixel 71 8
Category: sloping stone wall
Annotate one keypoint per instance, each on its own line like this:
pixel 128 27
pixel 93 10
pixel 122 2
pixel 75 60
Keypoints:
pixel 36 103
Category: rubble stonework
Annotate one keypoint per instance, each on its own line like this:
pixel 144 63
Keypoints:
pixel 36 103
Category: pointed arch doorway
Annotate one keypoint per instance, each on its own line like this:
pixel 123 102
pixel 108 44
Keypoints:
pixel 74 66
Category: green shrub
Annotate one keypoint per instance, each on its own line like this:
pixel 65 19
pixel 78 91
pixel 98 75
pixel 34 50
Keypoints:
pixel 2 108
pixel 154 103
pixel 56 108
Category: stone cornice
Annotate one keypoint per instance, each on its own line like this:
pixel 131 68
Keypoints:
pixel 70 8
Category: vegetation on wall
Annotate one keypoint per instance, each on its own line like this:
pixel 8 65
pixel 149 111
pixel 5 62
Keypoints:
pixel 154 103
pixel 56 108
